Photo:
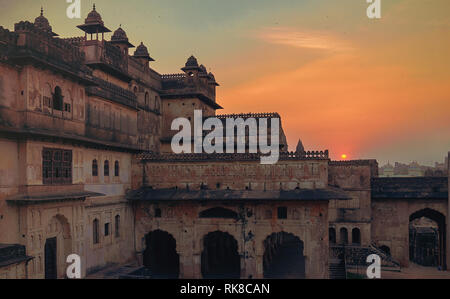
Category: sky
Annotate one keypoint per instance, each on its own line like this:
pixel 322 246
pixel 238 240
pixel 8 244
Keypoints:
pixel 367 88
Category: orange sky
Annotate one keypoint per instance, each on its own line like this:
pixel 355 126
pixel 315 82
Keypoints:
pixel 367 88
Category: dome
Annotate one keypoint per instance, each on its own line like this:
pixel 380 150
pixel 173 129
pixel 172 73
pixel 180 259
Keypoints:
pixel 42 23
pixel 142 52
pixel 300 148
pixel 192 62
pixel 119 35
pixel 93 24
pixel 94 17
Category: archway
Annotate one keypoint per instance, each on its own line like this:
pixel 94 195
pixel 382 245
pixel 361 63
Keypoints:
pixel 356 236
pixel 332 235
pixel 283 257
pixel 160 255
pixel 343 236
pixel 427 238
pixel 220 257
pixel 58 246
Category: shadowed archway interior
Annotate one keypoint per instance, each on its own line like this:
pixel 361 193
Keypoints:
pixel 160 255
pixel 283 257
pixel 427 239
pixel 220 257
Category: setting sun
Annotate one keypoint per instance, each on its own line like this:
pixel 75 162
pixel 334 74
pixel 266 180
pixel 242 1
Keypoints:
pixel 344 157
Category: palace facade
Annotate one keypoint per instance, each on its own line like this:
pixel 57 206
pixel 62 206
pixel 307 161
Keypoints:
pixel 86 168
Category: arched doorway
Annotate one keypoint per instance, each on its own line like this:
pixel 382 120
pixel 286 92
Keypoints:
pixel 220 257
pixel 160 255
pixel 427 238
pixel 58 246
pixel 356 236
pixel 343 236
pixel 332 235
pixel 283 257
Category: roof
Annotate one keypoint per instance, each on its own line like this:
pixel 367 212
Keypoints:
pixel 25 199
pixel 11 254
pixel 120 37
pixel 94 23
pixel 410 188
pixel 149 194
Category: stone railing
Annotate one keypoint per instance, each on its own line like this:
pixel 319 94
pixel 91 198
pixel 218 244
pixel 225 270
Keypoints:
pixel 311 155
pixel 173 76
pixel 113 56
pixel 176 84
pixel 42 46
pixel 249 115
pixel 112 92
pixel 8 41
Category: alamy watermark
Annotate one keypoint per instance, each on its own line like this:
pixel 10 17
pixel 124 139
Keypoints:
pixel 252 136
pixel 374 9
pixel 74 9
pixel 74 269
pixel 374 269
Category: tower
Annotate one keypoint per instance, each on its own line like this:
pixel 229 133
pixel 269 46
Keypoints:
pixel 120 39
pixel 94 24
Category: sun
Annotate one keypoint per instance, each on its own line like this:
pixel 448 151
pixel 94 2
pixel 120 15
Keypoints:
pixel 344 157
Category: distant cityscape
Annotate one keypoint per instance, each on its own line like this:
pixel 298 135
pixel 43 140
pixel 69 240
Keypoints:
pixel 414 169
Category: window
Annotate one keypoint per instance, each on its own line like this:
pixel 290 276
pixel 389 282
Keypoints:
pixel 332 235
pixel 56 166
pixel 95 233
pixel 117 226
pixel 356 236
pixel 282 213
pixel 147 98
pixel 58 99
pixel 116 168
pixel 67 107
pixel 94 168
pixel 106 168
pixel 158 213
pixel 106 229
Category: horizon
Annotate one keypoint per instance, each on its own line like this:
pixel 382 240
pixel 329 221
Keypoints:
pixel 369 89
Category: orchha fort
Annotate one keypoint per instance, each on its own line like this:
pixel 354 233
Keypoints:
pixel 86 168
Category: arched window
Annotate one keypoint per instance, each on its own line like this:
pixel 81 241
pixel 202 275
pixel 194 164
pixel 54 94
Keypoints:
pixel 117 226
pixel 116 168
pixel 332 235
pixel 147 99
pixel 356 236
pixel 58 99
pixel 94 168
pixel 106 168
pixel 95 231
pixel 344 236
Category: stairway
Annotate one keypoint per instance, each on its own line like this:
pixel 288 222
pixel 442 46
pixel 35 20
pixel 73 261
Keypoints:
pixel 337 270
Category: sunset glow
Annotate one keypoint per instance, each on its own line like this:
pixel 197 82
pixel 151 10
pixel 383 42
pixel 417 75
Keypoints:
pixel 376 88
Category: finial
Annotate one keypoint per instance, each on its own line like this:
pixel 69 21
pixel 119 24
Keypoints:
pixel 94 7
pixel 42 11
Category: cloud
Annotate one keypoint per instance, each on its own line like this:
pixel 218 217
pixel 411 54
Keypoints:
pixel 303 39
